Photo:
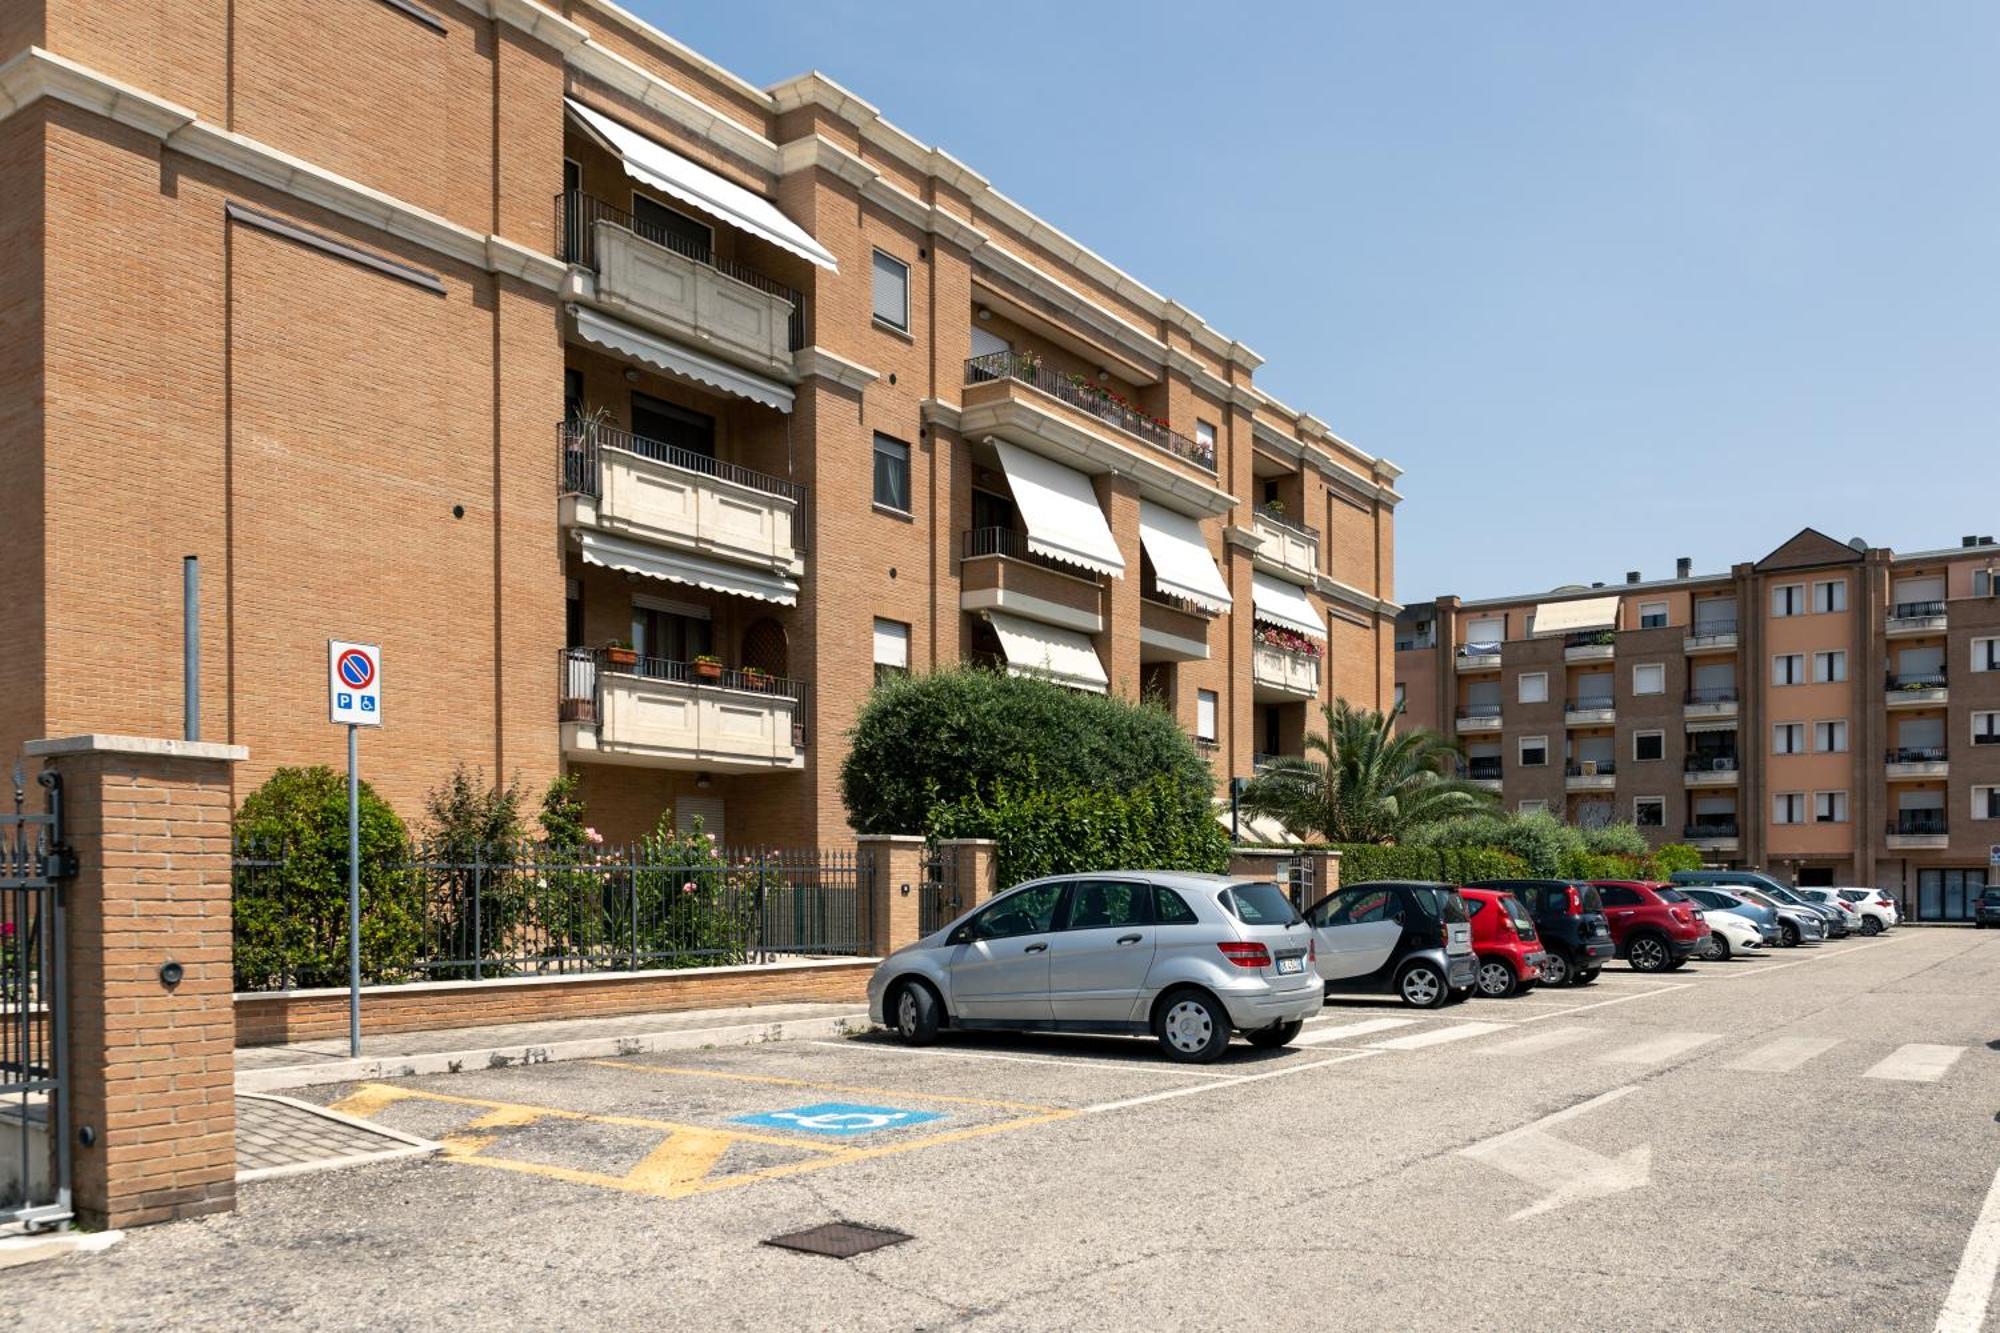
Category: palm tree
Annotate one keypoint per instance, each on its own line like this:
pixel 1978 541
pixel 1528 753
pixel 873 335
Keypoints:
pixel 1361 782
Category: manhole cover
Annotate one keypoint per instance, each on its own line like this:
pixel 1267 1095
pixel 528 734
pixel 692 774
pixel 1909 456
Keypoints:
pixel 838 1240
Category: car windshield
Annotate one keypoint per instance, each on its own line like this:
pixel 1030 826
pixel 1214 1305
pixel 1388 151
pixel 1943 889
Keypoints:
pixel 1990 896
pixel 1260 904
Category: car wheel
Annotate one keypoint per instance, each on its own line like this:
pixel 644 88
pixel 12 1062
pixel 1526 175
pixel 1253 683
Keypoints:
pixel 1278 1034
pixel 1192 1026
pixel 1647 953
pixel 916 1012
pixel 1585 978
pixel 1790 936
pixel 1497 979
pixel 1871 925
pixel 1717 948
pixel 1422 986
pixel 1555 969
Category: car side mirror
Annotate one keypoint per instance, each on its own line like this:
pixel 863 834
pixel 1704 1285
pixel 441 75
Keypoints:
pixel 963 935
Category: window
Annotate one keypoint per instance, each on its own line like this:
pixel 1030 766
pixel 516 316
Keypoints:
pixel 1204 436
pixel 1204 715
pixel 675 426
pixel 985 342
pixel 1830 807
pixel 664 633
pixel 1533 807
pixel 671 228
pixel 1788 738
pixel 892 474
pixel 892 291
pixel 892 650
pixel 1986 802
pixel 572 395
pixel 1401 698
pixel 1105 904
pixel 1829 668
pixel 1788 599
pixel 1982 583
pixel 1258 904
pixel 1170 909
pixel 1788 807
pixel 1830 737
pixel 1534 687
pixel 1788 669
pixel 1534 751
pixel 1986 654
pixel 1649 811
pixel 1986 728
pixel 1830 595
pixel 1031 911
pixel 1616 895
pixel 1649 745
pixel 1357 907
pixel 1649 678
pixel 1486 629
pixel 1652 615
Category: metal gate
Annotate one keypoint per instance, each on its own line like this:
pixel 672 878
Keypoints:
pixel 1295 876
pixel 939 899
pixel 34 1108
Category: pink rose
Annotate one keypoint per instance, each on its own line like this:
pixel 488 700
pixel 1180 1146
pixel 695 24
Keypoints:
pixel 592 835
pixel 688 887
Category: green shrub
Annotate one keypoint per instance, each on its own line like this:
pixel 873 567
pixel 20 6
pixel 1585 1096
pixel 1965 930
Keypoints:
pixel 943 738
pixel 1591 865
pixel 290 890
pixel 478 899
pixel 693 908
pixel 1615 840
pixel 1041 831
pixel 1674 856
pixel 1364 861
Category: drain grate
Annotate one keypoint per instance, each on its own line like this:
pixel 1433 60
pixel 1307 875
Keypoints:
pixel 839 1240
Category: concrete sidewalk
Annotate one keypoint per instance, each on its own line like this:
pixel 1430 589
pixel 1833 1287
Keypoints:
pixel 452 1050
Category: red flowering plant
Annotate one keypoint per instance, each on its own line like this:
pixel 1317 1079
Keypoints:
pixel 1291 641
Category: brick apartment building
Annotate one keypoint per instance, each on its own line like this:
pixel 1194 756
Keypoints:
pixel 558 360
pixel 1830 712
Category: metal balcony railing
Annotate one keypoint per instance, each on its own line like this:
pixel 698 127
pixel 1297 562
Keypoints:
pixel 1919 824
pixel 1711 629
pixel 1306 530
pixel 581 672
pixel 1710 828
pixel 1916 754
pixel 1916 680
pixel 977 542
pixel 1591 705
pixel 1709 763
pixel 1712 694
pixel 1079 392
pixel 1468 711
pixel 1484 770
pixel 579 444
pixel 1590 638
pixel 1916 610
pixel 1590 768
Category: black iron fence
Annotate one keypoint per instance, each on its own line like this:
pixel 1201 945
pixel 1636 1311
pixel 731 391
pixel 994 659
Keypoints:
pixel 1916 611
pixel 1717 828
pixel 1080 392
pixel 1916 754
pixel 1919 824
pixel 1711 694
pixel 434 913
pixel 1915 680
pixel 33 1027
pixel 578 443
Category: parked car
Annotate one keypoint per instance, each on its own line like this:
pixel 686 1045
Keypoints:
pixel 1504 938
pixel 1185 957
pixel 1833 920
pixel 1878 909
pixel 1770 927
pixel 1730 934
pixel 1986 911
pixel 1850 915
pixel 1796 925
pixel 1576 939
pixel 1406 938
pixel 1653 926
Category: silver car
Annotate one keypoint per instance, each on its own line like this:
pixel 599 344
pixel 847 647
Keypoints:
pixel 1185 957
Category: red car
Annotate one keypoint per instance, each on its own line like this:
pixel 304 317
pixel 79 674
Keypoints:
pixel 1655 926
pixel 1503 935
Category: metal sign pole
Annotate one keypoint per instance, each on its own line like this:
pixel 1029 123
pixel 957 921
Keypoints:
pixel 353 893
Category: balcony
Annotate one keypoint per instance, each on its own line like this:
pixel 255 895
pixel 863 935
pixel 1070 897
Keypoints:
pixel 1171 630
pixel 997 572
pixel 997 375
pixel 1918 830
pixel 1278 672
pixel 1288 550
pixel 677 286
pixel 616 708
pixel 1916 761
pixel 1712 770
pixel 1590 775
pixel 628 486
pixel 1919 689
pixel 1485 772
pixel 1711 835
pixel 1595 645
pixel 1479 717
pixel 1710 701
pixel 1710 636
pixel 1472 657
pixel 1908 619
pixel 1590 712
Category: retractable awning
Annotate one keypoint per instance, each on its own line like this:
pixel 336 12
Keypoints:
pixel 659 166
pixel 1182 565
pixel 1572 617
pixel 1710 724
pixel 617 336
pixel 636 558
pixel 1060 655
pixel 1064 519
pixel 1284 604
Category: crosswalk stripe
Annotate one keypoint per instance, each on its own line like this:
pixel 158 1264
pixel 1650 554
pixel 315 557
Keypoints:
pixel 1917 1062
pixel 1784 1054
pixel 1317 1036
pixel 1658 1049
pixel 1540 1041
pixel 1438 1036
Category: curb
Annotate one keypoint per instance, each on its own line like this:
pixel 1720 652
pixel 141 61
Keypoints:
pixel 19 1250
pixel 581 1048
pixel 405 1145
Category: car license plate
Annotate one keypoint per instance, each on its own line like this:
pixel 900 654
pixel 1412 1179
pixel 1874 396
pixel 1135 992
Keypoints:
pixel 1294 963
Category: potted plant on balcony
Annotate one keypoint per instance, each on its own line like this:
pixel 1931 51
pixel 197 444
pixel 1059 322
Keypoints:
pixel 707 667
pixel 756 678
pixel 1275 508
pixel 621 653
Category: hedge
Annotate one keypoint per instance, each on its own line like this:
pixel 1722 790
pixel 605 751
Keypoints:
pixel 1363 861
pixel 1039 831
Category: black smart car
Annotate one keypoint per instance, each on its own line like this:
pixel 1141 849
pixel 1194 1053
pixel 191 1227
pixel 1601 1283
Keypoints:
pixel 1570 918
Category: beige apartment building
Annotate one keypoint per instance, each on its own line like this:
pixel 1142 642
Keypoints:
pixel 641 414
pixel 1830 712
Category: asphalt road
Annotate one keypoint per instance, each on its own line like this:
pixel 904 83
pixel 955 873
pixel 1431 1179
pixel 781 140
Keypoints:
pixel 1803 1141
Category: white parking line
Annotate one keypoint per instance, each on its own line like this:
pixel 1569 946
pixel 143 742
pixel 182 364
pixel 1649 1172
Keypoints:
pixel 1171 1093
pixel 1066 1061
pixel 1658 1049
pixel 1783 1055
pixel 1317 1036
pixel 1918 1062
pixel 1603 1004
pixel 1839 951
pixel 1972 1287
pixel 1416 1041
pixel 1545 1040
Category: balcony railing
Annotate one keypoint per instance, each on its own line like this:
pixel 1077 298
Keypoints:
pixel 582 671
pixel 1471 711
pixel 1917 754
pixel 1603 704
pixel 977 542
pixel 1709 763
pixel 577 216
pixel 1712 694
pixel 1590 768
pixel 1711 629
pixel 1710 828
pixel 1590 638
pixel 1484 770
pixel 579 444
pixel 1483 649
pixel 1916 680
pixel 1080 393
pixel 1916 611
pixel 1918 824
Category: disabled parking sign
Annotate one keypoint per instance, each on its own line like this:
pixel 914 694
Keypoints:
pixel 838 1118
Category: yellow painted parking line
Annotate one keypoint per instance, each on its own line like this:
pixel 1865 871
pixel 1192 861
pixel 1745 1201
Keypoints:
pixel 515 1114
pixel 824 1087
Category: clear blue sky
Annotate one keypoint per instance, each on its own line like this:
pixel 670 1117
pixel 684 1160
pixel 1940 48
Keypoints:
pixel 1614 282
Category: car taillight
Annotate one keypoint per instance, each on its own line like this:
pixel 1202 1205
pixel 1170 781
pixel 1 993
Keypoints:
pixel 1245 953
pixel 1312 951
pixel 1575 901
pixel 1680 914
pixel 1884 902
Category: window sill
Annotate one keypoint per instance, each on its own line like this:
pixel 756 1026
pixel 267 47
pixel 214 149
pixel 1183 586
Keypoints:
pixel 886 327
pixel 890 511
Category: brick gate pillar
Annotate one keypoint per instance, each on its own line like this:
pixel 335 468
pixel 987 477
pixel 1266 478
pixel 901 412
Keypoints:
pixel 977 865
pixel 151 1058
pixel 895 885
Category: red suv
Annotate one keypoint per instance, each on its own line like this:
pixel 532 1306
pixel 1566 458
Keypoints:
pixel 1655 926
pixel 1503 935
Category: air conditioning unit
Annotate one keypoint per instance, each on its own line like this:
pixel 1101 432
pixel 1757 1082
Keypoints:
pixel 1725 765
pixel 1589 767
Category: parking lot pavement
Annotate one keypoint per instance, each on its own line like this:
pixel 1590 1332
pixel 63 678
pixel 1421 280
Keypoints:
pixel 1806 1139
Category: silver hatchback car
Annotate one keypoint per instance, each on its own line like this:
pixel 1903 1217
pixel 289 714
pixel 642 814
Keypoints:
pixel 1185 957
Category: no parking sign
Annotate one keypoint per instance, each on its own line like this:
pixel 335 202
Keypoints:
pixel 354 683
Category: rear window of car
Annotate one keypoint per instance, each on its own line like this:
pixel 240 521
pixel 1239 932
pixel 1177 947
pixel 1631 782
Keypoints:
pixel 1587 898
pixel 1517 913
pixel 1990 896
pixel 1259 905
pixel 1671 895
pixel 1444 904
pixel 1474 906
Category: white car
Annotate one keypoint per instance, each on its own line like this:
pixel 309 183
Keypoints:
pixel 1850 913
pixel 1730 935
pixel 1877 907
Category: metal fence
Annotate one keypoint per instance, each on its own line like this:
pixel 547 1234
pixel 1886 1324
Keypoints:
pixel 468 913
pixel 34 1181
pixel 939 897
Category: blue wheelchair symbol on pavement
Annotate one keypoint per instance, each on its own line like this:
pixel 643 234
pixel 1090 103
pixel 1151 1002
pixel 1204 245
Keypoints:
pixel 838 1118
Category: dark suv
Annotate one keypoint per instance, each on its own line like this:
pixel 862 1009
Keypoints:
pixel 1576 937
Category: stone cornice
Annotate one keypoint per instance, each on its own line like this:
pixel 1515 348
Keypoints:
pixel 649 90
pixel 1337 591
pixel 817 361
pixel 537 21
pixel 1328 466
